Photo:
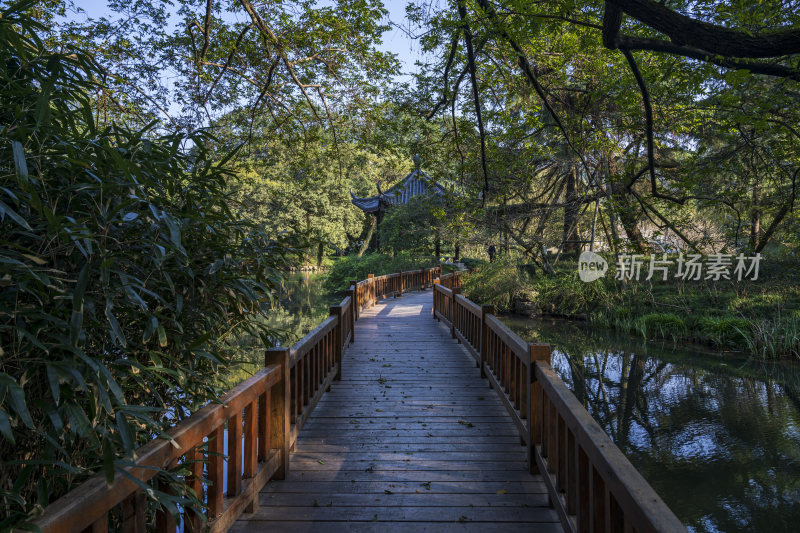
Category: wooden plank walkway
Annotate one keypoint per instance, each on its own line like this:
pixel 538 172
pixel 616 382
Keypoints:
pixel 411 439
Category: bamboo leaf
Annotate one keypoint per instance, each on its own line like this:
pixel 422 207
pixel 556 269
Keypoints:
pixel 52 379
pixel 80 287
pixel 5 426
pixel 6 210
pixel 162 336
pixel 75 325
pixel 20 165
pixel 125 432
pixel 115 329
pixel 108 462
pixel 17 397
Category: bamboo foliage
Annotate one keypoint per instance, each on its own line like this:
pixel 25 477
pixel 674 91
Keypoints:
pixel 123 274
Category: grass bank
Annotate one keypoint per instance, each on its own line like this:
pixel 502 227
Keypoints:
pixel 760 317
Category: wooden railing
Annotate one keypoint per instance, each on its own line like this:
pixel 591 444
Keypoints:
pixel 259 419
pixel 452 280
pixel 314 362
pixel 249 409
pixel 592 485
pixel 366 293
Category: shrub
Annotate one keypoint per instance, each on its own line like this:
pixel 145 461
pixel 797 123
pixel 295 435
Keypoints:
pixel 123 276
pixel 497 284
pixel 773 338
pixel 410 228
pixel 664 325
pixel 725 331
pixel 566 294
pixel 352 267
pixel 472 263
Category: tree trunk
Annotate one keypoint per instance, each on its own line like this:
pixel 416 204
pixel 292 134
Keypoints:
pixel 628 217
pixel 755 216
pixel 373 223
pixel 594 225
pixel 378 218
pixel 570 236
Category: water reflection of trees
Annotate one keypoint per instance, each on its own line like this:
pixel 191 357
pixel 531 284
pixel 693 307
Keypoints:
pixel 299 306
pixel 721 444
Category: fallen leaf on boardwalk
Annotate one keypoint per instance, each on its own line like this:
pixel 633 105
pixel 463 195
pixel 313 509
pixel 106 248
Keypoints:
pixel 320 461
pixel 502 491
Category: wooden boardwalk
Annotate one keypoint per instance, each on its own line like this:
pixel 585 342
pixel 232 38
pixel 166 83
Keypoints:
pixel 411 439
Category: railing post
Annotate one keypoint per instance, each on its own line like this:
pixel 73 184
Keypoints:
pixel 484 346
pixel 371 279
pixel 455 292
pixel 538 352
pixel 279 402
pixel 338 338
pixel 399 283
pixel 356 306
pixel 353 314
pixel 134 508
pixel 435 296
pixel 422 279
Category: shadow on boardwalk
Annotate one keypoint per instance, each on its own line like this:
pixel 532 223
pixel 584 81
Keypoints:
pixel 411 439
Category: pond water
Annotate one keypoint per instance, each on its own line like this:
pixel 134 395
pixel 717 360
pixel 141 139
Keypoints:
pixel 718 437
pixel 301 304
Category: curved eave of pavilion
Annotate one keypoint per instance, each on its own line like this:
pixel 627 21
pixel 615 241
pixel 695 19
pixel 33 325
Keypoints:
pixel 417 183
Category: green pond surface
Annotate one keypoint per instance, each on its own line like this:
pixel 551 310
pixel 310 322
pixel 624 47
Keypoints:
pixel 717 436
pixel 302 304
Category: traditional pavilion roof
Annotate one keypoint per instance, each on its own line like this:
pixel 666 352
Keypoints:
pixel 415 184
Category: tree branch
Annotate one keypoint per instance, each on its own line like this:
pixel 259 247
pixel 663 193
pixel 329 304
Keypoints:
pixel 206 30
pixel 715 39
pixel 448 64
pixel 612 20
pixel 658 45
pixel 462 12
pixel 648 119
pixel 227 63
pixel 534 82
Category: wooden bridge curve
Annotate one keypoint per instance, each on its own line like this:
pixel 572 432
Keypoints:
pixel 392 422
pixel 410 439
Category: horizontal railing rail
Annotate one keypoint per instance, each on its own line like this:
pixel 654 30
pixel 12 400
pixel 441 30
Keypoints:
pixel 442 303
pixel 592 485
pixel 193 443
pixel 368 292
pixel 453 279
pixel 259 420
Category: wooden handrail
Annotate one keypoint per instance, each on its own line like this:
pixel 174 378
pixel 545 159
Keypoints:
pixel 451 280
pixel 592 485
pixel 261 417
pixel 442 302
pixel 592 479
pixel 193 440
pixel 368 292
